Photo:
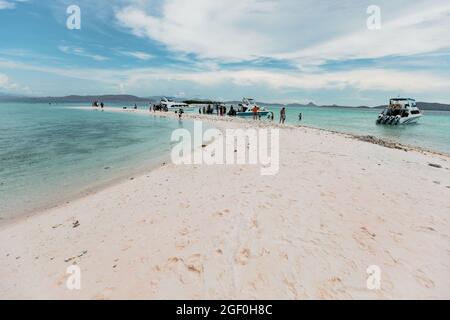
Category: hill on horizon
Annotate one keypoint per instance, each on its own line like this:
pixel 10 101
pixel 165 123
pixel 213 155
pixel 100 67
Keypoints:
pixel 114 98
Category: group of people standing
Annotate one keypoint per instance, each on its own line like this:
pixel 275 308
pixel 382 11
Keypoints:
pixel 158 107
pixel 220 110
pixel 95 104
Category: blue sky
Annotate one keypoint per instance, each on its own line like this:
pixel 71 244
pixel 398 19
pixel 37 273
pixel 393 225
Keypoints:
pixel 286 50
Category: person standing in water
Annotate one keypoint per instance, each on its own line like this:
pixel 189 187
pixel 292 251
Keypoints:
pixel 283 115
pixel 300 116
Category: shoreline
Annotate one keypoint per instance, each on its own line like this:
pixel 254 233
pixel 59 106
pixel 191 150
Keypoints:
pixel 17 217
pixel 226 119
pixel 87 191
pixel 218 232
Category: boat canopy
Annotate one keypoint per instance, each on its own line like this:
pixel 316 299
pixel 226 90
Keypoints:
pixel 397 103
pixel 402 99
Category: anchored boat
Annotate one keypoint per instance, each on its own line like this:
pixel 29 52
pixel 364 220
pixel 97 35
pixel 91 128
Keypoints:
pixel 247 106
pixel 168 104
pixel 400 111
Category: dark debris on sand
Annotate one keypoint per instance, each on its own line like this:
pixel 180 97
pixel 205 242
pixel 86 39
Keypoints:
pixel 383 143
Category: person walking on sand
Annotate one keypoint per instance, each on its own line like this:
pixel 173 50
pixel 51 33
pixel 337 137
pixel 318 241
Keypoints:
pixel 283 115
pixel 180 114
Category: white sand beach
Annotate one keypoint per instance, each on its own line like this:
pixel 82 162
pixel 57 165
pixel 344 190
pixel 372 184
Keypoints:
pixel 337 206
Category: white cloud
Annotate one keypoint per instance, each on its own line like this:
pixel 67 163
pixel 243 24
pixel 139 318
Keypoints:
pixel 138 55
pixel 384 80
pixel 306 32
pixel 208 28
pixel 6 4
pixel 81 52
pixel 8 86
pixel 3 80
pixel 9 4
pixel 380 79
pixel 422 30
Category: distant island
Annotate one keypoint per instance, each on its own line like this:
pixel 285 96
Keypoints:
pixel 74 99
pixel 111 98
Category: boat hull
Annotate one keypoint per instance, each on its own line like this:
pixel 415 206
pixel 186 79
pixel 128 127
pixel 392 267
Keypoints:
pixel 410 120
pixel 250 114
pixel 398 121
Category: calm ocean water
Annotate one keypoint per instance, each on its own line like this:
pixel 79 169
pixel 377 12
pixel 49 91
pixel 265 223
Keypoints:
pixel 52 153
pixel 433 131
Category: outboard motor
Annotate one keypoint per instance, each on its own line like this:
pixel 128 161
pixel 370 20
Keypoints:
pixel 397 120
pixel 391 119
pixel 380 118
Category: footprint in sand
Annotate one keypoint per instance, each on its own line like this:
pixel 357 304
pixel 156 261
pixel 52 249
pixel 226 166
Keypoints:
pixel 188 270
pixel 195 264
pixel 243 257
pixel 371 235
pixel 219 214
pixel 422 278
pixel 184 231
pixel 290 285
pixel 181 244
pixel 106 295
pixel 364 238
pixel 423 229
pixel 254 223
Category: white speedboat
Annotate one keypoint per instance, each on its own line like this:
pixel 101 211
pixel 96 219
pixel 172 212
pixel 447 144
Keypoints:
pixel 247 106
pixel 168 105
pixel 400 111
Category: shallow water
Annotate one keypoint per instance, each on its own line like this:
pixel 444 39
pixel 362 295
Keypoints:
pixel 53 153
pixel 432 132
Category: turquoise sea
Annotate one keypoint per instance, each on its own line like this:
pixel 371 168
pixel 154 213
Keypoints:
pixel 433 131
pixel 50 154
